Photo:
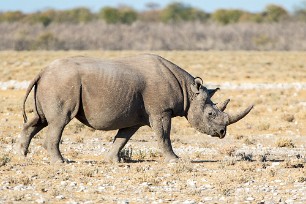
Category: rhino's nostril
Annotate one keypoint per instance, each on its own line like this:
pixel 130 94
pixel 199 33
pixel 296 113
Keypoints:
pixel 222 132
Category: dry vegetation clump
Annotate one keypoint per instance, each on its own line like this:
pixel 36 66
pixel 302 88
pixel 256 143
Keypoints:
pixel 284 142
pixel 288 117
pixel 4 159
pixel 149 36
pixel 228 150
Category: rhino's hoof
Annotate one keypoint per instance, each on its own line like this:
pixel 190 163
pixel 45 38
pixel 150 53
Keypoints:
pixel 172 159
pixel 58 160
pixel 112 159
pixel 19 150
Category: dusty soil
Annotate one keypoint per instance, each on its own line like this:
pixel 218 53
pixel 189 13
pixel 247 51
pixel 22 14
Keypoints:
pixel 262 159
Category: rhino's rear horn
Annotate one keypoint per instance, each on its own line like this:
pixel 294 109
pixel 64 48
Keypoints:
pixel 223 105
pixel 211 92
pixel 239 116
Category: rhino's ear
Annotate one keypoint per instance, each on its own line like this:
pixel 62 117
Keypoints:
pixel 195 88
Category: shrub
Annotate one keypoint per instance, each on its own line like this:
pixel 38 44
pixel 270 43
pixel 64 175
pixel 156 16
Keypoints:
pixel 47 41
pixel 275 13
pixel 39 17
pixel 128 16
pixel 11 16
pixel 177 12
pixel 110 15
pixel 124 15
pixel 224 17
pixel 283 142
pixel 4 159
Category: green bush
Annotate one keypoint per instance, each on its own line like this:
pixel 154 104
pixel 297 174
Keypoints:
pixel 128 16
pixel 177 12
pixel 224 16
pixel 110 15
pixel 275 13
pixel 11 16
pixel 251 17
pixel 113 15
pixel 77 15
pixel 47 41
pixel 39 17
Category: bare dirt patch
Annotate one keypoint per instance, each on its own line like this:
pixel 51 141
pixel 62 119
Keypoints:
pixel 262 159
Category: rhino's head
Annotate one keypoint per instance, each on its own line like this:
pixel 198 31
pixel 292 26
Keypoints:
pixel 205 116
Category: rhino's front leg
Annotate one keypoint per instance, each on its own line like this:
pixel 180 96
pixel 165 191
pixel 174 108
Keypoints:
pixel 120 140
pixel 162 126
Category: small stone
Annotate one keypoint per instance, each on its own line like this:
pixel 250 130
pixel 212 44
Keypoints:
pixel 207 198
pixel 189 202
pixel 250 199
pixel 288 201
pixel 40 200
pixel 191 183
pixel 60 197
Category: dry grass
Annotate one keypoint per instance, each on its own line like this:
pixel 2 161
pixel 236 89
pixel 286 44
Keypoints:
pixel 255 160
pixel 285 142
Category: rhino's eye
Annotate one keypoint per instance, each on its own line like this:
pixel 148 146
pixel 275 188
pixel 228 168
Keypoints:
pixel 211 114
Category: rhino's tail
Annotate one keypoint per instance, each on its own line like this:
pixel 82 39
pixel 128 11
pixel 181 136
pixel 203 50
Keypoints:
pixel 29 89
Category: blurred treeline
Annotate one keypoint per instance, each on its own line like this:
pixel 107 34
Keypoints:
pixel 176 26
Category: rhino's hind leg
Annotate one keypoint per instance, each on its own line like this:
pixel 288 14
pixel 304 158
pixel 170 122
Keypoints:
pixel 30 129
pixel 54 135
pixel 120 140
pixel 162 125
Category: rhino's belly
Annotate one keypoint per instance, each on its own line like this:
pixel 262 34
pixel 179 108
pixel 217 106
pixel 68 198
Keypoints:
pixel 113 114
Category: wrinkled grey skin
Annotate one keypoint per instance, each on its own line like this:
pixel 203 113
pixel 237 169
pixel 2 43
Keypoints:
pixel 122 94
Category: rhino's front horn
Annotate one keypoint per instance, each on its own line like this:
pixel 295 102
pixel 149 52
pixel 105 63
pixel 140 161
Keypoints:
pixel 239 116
pixel 223 105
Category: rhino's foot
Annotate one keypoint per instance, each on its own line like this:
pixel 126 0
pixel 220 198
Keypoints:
pixel 112 158
pixel 172 159
pixel 56 160
pixel 19 149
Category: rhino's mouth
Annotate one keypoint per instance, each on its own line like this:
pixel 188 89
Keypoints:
pixel 221 134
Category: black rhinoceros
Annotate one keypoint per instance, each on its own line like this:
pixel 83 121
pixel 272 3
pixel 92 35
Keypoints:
pixel 122 94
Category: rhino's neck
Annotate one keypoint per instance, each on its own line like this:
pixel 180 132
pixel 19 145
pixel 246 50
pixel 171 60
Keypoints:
pixel 185 80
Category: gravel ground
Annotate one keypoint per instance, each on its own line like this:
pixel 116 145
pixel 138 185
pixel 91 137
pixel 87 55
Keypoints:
pixel 212 178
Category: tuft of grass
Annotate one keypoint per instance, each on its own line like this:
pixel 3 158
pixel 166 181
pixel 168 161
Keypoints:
pixel 301 179
pixel 77 128
pixel 228 150
pixel 80 139
pixel 288 117
pixel 89 172
pixel 263 126
pixel 140 155
pixel 4 160
pixel 272 172
pixel 249 141
pixel 24 180
pixel 182 167
pixel 284 142
pixel 126 154
pixel 228 161
pixel 245 156
pixel 297 163
pixel 238 137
